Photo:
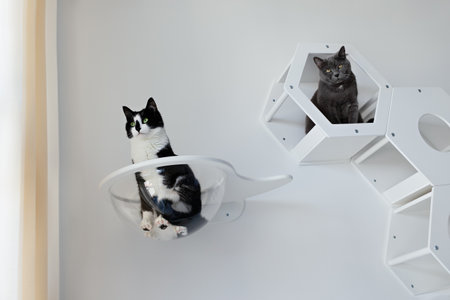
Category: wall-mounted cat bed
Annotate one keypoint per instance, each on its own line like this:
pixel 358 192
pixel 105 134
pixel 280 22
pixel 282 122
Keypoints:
pixel 289 102
pixel 223 190
pixel 410 169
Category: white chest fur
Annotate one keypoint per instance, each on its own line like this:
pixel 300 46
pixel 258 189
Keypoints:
pixel 145 147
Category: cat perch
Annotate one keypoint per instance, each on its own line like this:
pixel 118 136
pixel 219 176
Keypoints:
pixel 404 155
pixel 289 103
pixel 224 191
pixel 409 168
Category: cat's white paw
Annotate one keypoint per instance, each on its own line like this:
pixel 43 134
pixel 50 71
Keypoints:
pixel 161 223
pixel 181 230
pixel 146 222
pixel 146 226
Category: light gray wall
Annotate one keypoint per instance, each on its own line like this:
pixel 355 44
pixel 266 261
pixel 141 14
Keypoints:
pixel 210 64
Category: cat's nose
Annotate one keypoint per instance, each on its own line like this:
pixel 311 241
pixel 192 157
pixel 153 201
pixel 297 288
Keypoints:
pixel 138 127
pixel 336 75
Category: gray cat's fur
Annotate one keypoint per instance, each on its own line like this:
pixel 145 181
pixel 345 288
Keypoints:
pixel 336 96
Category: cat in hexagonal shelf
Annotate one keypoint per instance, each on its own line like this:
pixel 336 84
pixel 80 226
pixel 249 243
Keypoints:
pixel 336 95
pixel 170 195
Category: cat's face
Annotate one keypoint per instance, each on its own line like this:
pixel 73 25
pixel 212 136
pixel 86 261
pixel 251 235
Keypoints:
pixel 142 122
pixel 334 70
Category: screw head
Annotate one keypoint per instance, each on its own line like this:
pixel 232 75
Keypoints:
pixel 327 46
pixel 387 86
pixel 420 91
pixel 356 130
pixel 374 180
pixel 284 139
pixel 436 247
pixel 412 286
pixel 291 87
pixel 273 100
pixel 392 133
pixel 394 237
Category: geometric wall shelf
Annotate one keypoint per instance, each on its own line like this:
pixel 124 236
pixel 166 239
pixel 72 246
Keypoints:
pixel 404 154
pixel 409 167
pixel 223 191
pixel 289 103
pixel 419 243
pixel 414 154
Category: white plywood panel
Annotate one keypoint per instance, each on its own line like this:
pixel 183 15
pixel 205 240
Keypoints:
pixel 287 124
pixel 409 229
pixel 422 275
pixel 419 242
pixel 385 167
pixel 408 106
pixel 440 226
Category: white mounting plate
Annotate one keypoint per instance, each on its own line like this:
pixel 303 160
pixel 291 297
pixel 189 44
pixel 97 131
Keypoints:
pixel 408 106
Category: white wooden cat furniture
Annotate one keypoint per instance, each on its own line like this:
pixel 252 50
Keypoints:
pixel 404 154
pixel 289 102
pixel 410 168
pixel 223 190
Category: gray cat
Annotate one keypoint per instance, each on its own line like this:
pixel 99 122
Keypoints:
pixel 336 96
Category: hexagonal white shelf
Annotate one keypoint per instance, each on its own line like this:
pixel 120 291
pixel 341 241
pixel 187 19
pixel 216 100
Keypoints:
pixel 412 157
pixel 409 167
pixel 289 102
pixel 419 243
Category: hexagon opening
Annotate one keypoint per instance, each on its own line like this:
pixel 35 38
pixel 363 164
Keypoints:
pixel 289 103
pixel 368 90
pixel 391 173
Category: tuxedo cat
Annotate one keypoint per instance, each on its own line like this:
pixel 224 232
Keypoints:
pixel 170 195
pixel 336 96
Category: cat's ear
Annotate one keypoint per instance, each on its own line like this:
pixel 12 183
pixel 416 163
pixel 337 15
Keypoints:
pixel 128 112
pixel 341 53
pixel 151 104
pixel 319 62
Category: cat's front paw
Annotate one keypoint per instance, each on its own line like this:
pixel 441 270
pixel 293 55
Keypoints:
pixel 146 222
pixel 161 223
pixel 146 226
pixel 181 230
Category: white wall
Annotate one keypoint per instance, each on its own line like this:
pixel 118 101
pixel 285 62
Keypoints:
pixel 209 65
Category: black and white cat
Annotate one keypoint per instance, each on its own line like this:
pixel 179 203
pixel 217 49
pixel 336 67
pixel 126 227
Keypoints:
pixel 170 195
pixel 336 96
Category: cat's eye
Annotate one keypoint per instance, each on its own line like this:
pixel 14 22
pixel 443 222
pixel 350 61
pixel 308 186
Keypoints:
pixel 145 120
pixel 340 66
pixel 328 70
pixel 132 124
